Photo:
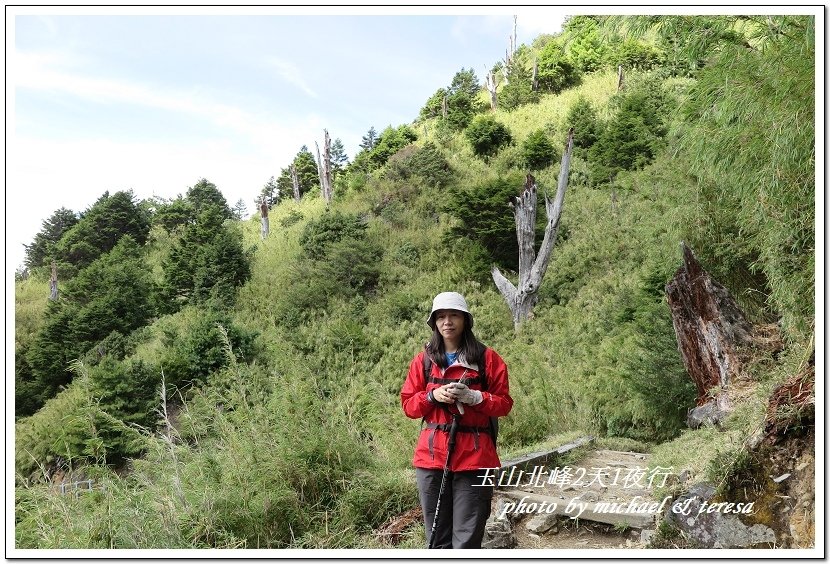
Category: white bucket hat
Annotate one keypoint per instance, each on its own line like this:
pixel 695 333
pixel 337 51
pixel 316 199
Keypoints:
pixel 449 300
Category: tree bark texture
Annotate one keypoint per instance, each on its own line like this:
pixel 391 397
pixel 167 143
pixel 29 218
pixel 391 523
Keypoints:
pixel 492 84
pixel 709 326
pixel 263 212
pixel 320 173
pixel 534 84
pixel 532 268
pixel 327 192
pixel 53 283
pixel 620 78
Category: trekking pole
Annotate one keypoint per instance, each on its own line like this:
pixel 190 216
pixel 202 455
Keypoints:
pixel 450 448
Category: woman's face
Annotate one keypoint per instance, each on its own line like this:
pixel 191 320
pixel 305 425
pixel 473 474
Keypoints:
pixel 450 323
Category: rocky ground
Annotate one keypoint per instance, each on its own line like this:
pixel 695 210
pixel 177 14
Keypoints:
pixel 591 504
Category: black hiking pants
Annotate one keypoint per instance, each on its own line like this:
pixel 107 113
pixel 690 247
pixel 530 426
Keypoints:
pixel 465 507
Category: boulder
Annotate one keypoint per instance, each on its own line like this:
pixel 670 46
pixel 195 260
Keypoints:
pixel 498 533
pixel 716 529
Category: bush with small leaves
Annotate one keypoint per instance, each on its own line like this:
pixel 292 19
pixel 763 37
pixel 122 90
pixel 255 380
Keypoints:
pixel 487 136
pixel 537 151
pixel 329 228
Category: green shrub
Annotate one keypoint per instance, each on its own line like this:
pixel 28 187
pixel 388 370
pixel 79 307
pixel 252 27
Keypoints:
pixel 291 218
pixel 127 390
pixel 537 151
pixel 329 228
pixel 485 218
pixel 634 54
pixel 426 163
pixel 555 70
pixel 634 135
pixel 195 351
pixel 487 136
pixel 206 265
pixel 72 430
pixel 582 117
pixel 519 89
pixel 751 142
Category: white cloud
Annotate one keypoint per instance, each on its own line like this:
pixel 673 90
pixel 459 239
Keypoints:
pixel 532 23
pixel 291 74
pixel 45 72
pixel 44 174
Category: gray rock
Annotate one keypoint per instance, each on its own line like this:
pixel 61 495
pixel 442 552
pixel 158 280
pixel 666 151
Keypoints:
pixel 710 413
pixel 646 535
pixel 541 523
pixel 498 533
pixel 589 495
pixel 716 529
pixel 512 516
pixel 702 490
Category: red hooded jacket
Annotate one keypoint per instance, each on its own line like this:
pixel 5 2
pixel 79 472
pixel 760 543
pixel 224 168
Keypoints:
pixel 474 447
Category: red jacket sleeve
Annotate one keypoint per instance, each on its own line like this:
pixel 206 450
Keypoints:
pixel 497 401
pixel 414 394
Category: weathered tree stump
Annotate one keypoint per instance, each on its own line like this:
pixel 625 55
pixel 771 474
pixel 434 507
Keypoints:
pixel 521 298
pixel 53 283
pixel 709 326
pixel 263 218
pixel 324 167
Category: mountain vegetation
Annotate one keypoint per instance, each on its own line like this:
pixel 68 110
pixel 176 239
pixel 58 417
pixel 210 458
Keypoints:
pixel 227 391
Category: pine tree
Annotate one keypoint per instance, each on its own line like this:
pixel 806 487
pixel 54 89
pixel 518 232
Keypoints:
pixel 369 140
pixel 339 159
pixel 240 209
pixel 40 250
pixel 101 227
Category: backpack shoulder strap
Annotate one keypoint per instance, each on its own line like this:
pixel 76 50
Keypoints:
pixel 427 364
pixel 482 369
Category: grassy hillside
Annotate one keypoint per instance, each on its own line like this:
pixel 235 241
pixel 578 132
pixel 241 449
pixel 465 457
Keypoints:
pixel 295 438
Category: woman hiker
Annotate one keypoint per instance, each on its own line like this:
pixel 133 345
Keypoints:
pixel 455 378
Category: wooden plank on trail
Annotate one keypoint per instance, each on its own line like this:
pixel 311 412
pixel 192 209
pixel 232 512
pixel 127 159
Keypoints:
pixel 540 457
pixel 624 514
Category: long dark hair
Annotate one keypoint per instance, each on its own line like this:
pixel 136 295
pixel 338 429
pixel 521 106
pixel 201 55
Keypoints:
pixel 470 347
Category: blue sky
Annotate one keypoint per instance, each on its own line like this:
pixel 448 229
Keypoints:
pixel 152 101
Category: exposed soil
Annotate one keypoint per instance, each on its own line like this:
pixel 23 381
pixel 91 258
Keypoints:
pixel 568 534
pixel 600 476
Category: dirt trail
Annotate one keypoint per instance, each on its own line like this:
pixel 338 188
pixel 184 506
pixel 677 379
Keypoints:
pixel 613 489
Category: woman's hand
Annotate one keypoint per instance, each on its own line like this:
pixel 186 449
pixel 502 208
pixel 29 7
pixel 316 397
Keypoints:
pixel 444 394
pixel 464 394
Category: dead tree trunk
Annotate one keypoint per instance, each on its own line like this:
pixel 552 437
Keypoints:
pixel 324 167
pixel 320 174
pixel 620 78
pixel 295 182
pixel 327 165
pixel 709 326
pixel 522 298
pixel 534 82
pixel 444 107
pixel 263 218
pixel 492 84
pixel 53 283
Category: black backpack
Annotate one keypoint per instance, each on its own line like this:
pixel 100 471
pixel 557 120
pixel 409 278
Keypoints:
pixel 482 373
